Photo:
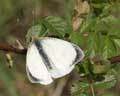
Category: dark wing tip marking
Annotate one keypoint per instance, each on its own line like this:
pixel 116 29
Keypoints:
pixel 80 54
pixel 33 78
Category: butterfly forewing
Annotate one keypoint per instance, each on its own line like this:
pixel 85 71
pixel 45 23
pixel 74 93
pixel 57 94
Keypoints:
pixel 50 58
pixel 61 54
pixel 36 68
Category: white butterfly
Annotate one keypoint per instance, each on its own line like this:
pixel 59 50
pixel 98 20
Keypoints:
pixel 51 58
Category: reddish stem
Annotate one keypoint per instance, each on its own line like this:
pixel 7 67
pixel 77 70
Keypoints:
pixel 10 48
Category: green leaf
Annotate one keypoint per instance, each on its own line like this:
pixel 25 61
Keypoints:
pixel 92 44
pixel 109 81
pixel 87 25
pixel 106 25
pixel 98 5
pixel 108 48
pixel 56 25
pixel 80 89
pixel 99 69
pixel 68 10
pixel 77 38
pixel 36 31
pixel 49 25
pixel 117 42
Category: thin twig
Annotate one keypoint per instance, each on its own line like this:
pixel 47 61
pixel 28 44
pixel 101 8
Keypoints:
pixel 10 48
pixel 60 86
pixel 113 60
pixel 92 89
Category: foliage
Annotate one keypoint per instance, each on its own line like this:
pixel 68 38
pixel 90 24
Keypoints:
pixel 50 24
pixel 82 87
pixel 98 34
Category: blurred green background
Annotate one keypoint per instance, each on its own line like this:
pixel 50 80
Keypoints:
pixel 16 17
pixel 86 17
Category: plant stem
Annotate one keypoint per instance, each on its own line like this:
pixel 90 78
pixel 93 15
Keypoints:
pixel 92 89
pixel 10 48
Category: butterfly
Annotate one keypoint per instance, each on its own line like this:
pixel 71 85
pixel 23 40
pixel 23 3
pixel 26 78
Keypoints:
pixel 50 58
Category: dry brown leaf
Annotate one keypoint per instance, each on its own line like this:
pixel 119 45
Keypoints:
pixel 77 23
pixel 81 8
